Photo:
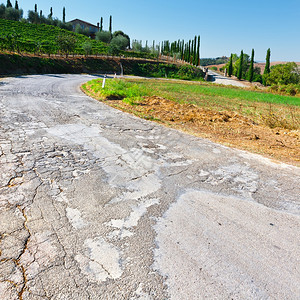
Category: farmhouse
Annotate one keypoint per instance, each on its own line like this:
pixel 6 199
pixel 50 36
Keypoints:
pixel 93 29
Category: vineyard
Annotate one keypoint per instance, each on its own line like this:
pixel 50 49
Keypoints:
pixel 44 39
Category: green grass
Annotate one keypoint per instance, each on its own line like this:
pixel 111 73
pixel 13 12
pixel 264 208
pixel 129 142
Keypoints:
pixel 215 92
pixel 272 109
pixel 129 92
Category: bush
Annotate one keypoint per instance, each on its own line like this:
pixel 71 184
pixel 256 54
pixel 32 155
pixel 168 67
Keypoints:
pixel 103 36
pixel 13 14
pixel 118 43
pixel 185 72
pixel 283 74
pixel 214 68
pixel 87 48
pixel 122 34
pixel 290 89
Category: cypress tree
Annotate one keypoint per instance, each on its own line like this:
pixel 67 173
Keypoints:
pixel 64 15
pixel 182 50
pixel 101 24
pixel 110 24
pixel 51 12
pixel 230 68
pixel 240 70
pixel 251 69
pixel 198 52
pixel 195 51
pixel 186 52
pixel 41 13
pixel 189 52
pixel 35 8
pixel 267 67
pixel 17 5
pixel 192 53
pixel 8 4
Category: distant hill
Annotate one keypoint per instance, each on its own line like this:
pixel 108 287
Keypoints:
pixel 33 38
pixel 274 63
pixel 214 61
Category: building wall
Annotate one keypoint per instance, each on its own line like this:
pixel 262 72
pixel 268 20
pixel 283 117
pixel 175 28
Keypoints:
pixel 92 29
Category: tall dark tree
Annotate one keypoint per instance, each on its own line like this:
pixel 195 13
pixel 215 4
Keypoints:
pixel 110 24
pixel 267 67
pixel 182 50
pixel 192 52
pixel 240 69
pixel 189 52
pixel 17 5
pixel 8 4
pixel 195 51
pixel 198 52
pixel 101 24
pixel 251 68
pixel 41 13
pixel 51 13
pixel 64 15
pixel 35 8
pixel 230 67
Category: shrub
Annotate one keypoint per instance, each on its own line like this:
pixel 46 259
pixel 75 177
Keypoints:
pixel 120 42
pixel 103 36
pixel 87 47
pixel 284 74
pixel 290 89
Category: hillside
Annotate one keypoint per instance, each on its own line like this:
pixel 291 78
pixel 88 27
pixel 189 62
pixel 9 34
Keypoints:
pixel 41 38
pixel 15 64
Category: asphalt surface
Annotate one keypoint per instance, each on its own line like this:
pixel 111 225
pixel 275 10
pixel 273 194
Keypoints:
pixel 98 204
pixel 220 79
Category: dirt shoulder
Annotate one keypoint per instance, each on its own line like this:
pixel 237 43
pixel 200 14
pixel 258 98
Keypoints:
pixel 227 128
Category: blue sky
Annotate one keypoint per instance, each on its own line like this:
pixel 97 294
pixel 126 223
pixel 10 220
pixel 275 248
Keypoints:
pixel 224 26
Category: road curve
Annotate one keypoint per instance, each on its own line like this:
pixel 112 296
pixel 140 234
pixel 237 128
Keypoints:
pixel 220 79
pixel 98 204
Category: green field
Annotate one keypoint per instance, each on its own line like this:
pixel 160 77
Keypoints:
pixel 216 93
pixel 260 106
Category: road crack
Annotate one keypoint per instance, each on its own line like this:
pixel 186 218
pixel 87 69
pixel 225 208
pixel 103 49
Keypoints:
pixel 25 248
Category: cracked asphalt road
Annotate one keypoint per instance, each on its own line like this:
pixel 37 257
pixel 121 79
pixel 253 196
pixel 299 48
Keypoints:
pixel 98 204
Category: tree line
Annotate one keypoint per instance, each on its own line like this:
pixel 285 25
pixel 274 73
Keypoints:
pixel 9 12
pixel 186 51
pixel 243 68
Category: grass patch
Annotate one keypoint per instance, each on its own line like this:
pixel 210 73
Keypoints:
pixel 117 89
pixel 272 110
